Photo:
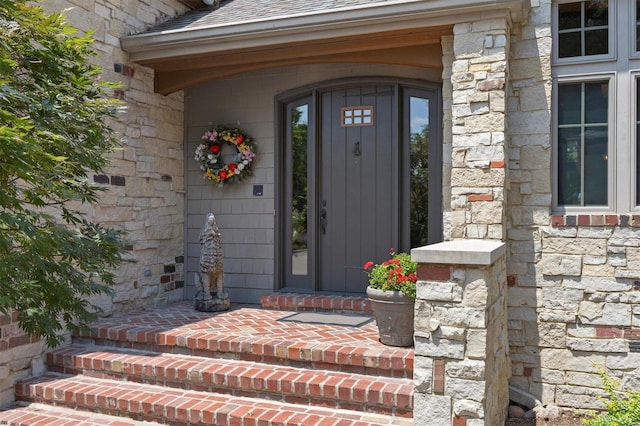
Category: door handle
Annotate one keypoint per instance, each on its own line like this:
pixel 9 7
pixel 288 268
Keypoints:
pixel 356 149
pixel 323 221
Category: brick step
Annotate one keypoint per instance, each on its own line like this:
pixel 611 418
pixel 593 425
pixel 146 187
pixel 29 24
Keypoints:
pixel 248 333
pixel 183 407
pixel 41 415
pixel 315 302
pixel 392 396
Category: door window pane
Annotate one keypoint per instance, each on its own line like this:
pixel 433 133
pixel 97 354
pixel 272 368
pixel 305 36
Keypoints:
pixel 299 217
pixel 583 28
pixel 583 144
pixel 419 173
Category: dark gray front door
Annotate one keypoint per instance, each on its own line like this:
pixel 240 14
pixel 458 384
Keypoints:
pixel 358 211
pixel 361 173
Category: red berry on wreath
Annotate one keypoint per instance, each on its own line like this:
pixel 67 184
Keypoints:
pixel 214 149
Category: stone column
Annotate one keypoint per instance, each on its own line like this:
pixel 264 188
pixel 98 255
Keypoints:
pixel 478 84
pixel 462 365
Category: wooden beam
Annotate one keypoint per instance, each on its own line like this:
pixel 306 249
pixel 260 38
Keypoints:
pixel 171 80
pixel 385 40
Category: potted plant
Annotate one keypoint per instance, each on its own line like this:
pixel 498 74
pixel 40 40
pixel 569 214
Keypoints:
pixel 392 292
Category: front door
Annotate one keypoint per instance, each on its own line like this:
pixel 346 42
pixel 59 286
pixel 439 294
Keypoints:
pixel 358 185
pixel 361 174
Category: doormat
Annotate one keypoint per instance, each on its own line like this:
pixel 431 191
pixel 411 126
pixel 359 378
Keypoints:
pixel 328 318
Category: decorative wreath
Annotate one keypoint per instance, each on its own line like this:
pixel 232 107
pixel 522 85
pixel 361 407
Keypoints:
pixel 209 154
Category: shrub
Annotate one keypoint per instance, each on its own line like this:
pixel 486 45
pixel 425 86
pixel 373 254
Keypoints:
pixel 623 407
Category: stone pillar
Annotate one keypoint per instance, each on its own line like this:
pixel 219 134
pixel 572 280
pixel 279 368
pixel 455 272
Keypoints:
pixel 478 84
pixel 462 365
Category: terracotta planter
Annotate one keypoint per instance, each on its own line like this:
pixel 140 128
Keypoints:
pixel 393 312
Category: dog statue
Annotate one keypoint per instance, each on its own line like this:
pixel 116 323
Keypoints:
pixel 208 299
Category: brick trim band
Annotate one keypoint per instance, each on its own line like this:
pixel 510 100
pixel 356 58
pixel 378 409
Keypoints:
pixel 632 220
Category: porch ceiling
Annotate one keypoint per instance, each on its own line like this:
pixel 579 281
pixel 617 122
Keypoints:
pixel 209 43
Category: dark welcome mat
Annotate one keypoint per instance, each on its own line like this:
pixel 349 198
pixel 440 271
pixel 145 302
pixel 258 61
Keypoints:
pixel 329 318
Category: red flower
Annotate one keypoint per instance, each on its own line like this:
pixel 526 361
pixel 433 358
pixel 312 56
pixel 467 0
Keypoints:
pixel 222 174
pixel 214 149
pixel 367 265
pixel 239 139
pixel 232 167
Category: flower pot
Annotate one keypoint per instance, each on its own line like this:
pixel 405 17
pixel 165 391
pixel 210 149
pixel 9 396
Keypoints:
pixel 393 312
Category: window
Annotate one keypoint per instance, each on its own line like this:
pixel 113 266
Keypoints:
pixel 596 68
pixel 583 28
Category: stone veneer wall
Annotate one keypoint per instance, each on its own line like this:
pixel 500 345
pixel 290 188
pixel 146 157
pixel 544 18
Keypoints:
pixel 574 281
pixel 145 182
pixel 462 368
pixel 478 75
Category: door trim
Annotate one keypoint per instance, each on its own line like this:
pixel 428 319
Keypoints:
pixel 281 212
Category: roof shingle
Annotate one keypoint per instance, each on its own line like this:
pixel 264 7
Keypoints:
pixel 232 12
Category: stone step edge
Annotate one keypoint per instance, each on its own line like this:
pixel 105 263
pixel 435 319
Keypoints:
pixel 27 414
pixel 391 396
pixel 178 406
pixel 315 302
pixel 388 362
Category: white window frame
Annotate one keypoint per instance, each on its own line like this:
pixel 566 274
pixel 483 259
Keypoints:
pixel 622 67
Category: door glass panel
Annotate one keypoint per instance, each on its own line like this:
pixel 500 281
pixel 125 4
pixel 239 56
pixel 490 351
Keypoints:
pixel 299 202
pixel 419 173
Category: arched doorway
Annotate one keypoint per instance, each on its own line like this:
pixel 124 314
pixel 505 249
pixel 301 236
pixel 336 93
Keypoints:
pixel 359 173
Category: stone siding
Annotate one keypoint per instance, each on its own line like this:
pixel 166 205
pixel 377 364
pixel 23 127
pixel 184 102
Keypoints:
pixel 462 365
pixel 20 356
pixel 145 182
pixel 574 280
pixel 478 76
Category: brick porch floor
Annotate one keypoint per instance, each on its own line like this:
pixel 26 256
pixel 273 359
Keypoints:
pixel 177 366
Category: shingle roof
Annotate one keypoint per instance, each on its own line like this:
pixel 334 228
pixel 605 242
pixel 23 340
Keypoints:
pixel 240 11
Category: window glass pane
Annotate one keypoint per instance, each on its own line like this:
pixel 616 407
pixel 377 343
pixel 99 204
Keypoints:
pixel 595 102
pixel 569 15
pixel 569 45
pixel 299 136
pixel 583 28
pixel 569 103
pixel 637 25
pixel 419 173
pixel 596 13
pixel 637 142
pixel 596 42
pixel 595 166
pixel 569 174
pixel 583 144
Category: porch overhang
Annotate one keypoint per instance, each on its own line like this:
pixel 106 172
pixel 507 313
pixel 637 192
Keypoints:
pixel 395 32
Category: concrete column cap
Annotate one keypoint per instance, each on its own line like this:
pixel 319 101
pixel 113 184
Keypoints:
pixel 460 252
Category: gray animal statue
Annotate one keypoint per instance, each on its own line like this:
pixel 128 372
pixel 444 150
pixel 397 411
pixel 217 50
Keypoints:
pixel 208 299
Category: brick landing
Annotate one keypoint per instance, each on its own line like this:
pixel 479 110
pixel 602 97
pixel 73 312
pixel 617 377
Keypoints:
pixel 241 367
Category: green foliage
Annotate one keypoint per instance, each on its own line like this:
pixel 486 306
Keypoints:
pixel 419 194
pixel 623 408
pixel 299 139
pixel 52 136
pixel 395 274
